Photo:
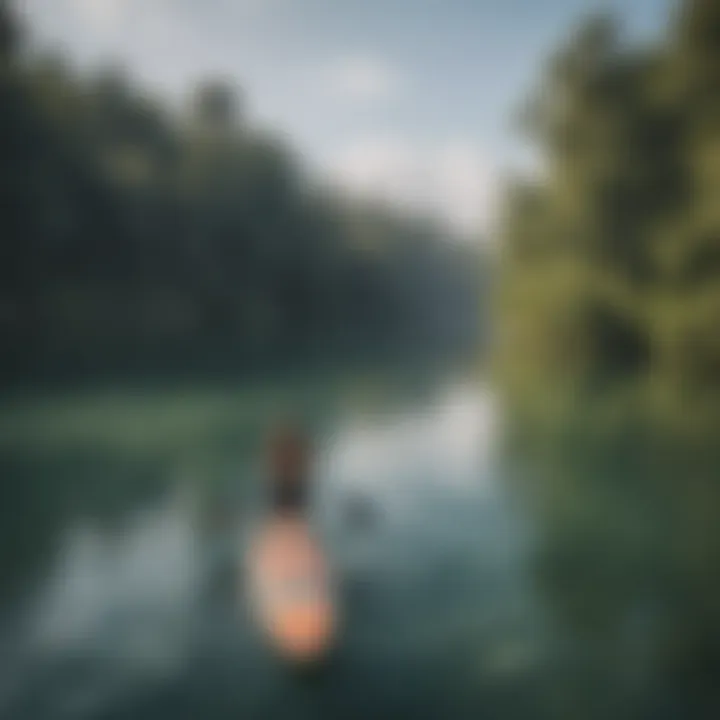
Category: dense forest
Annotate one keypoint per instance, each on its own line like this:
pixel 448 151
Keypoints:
pixel 611 265
pixel 609 360
pixel 135 238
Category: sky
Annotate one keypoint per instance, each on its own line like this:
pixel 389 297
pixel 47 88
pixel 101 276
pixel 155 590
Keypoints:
pixel 410 100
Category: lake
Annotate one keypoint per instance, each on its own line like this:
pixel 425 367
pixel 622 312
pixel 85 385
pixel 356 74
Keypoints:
pixel 126 511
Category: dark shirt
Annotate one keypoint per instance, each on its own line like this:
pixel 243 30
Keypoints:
pixel 290 496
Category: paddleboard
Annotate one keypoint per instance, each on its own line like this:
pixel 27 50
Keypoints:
pixel 291 591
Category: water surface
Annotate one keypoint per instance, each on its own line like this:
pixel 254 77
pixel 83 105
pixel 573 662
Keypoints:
pixel 564 569
pixel 130 510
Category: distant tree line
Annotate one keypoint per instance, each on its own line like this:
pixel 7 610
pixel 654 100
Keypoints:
pixel 611 256
pixel 133 237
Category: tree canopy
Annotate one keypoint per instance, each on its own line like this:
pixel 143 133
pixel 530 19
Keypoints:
pixel 133 235
pixel 612 258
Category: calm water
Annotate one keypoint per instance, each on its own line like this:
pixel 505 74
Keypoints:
pixel 125 516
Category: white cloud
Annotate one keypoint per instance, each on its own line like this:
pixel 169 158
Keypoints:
pixel 467 184
pixel 360 78
pixel 100 15
pixel 452 178
pixel 108 20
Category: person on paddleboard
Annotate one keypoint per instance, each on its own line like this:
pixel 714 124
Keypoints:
pixel 289 471
pixel 292 592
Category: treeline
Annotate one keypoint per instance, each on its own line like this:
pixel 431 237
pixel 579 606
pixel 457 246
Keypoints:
pixel 612 255
pixel 609 354
pixel 133 237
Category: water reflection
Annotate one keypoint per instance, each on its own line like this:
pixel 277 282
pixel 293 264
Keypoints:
pixel 407 461
pixel 106 581
pixel 559 565
pixel 625 551
pixel 141 611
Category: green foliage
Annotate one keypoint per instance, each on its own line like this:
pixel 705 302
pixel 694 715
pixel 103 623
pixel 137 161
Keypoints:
pixel 612 260
pixel 136 238
pixel 611 272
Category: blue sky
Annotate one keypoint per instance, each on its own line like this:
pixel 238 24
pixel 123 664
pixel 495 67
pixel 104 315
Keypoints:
pixel 409 99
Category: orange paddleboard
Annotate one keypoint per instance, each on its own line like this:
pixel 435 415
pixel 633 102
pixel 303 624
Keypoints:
pixel 291 592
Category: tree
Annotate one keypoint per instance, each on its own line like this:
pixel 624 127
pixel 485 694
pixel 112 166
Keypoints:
pixel 132 234
pixel 626 220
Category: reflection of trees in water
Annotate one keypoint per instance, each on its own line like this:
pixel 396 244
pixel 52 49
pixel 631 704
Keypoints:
pixel 41 495
pixel 99 457
pixel 627 556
